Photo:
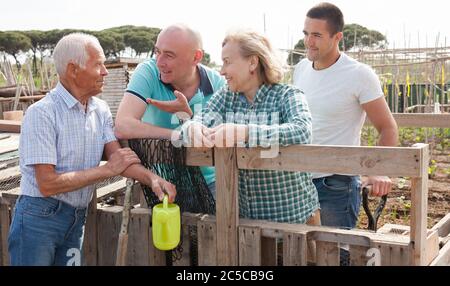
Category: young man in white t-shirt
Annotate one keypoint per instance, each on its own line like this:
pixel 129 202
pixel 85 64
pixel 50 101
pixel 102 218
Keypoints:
pixel 340 92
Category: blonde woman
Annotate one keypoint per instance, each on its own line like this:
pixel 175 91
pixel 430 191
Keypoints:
pixel 261 111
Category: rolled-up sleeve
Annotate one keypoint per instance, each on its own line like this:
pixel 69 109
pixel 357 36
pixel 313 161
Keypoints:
pixel 108 131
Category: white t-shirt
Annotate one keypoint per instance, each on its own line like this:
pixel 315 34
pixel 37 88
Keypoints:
pixel 334 96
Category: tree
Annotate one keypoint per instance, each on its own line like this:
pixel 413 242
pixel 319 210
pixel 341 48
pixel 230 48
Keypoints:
pixel 36 38
pixel 297 54
pixel 13 43
pixel 111 42
pixel 360 37
pixel 139 38
pixel 140 41
pixel 355 36
pixel 206 59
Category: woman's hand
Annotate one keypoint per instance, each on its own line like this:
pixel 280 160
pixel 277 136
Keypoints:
pixel 228 135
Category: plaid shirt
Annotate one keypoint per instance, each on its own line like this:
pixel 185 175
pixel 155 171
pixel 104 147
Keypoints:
pixel 278 115
pixel 57 130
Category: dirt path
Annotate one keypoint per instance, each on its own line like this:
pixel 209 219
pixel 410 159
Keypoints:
pixel 399 200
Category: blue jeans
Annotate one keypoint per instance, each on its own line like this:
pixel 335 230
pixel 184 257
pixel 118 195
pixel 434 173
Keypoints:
pixel 46 231
pixel 340 200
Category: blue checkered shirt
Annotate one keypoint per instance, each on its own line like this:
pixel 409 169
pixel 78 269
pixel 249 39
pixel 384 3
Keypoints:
pixel 279 113
pixel 58 131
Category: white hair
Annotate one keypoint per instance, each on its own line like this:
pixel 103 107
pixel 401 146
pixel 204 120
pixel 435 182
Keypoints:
pixel 73 48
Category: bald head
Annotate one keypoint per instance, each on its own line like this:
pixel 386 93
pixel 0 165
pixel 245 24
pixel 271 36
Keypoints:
pixel 184 34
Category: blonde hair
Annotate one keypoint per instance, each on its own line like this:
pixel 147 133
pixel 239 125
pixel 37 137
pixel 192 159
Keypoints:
pixel 271 68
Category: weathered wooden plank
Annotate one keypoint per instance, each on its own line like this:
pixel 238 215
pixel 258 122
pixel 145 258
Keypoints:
pixel 269 251
pixel 199 157
pixel 388 161
pixel 227 208
pixel 443 258
pixel 399 255
pixel 358 255
pixel 4 231
pixel 90 234
pixel 111 189
pixel 420 120
pixel 157 257
pixel 391 254
pixel 108 226
pixel 443 226
pixel 185 259
pixel 207 243
pixel 432 245
pixel 139 237
pixel 327 253
pixel 419 208
pixel 10 126
pixel 295 249
pixel 249 246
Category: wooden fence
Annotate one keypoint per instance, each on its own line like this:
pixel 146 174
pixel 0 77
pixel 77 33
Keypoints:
pixel 225 239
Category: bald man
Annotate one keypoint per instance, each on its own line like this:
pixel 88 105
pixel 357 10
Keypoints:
pixel 174 81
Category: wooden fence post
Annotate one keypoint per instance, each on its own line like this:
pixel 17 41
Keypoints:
pixel 419 204
pixel 227 207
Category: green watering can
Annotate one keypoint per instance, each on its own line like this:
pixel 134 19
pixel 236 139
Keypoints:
pixel 166 225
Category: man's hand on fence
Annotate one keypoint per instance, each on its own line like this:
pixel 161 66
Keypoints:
pixel 381 185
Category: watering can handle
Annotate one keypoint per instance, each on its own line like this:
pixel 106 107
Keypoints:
pixel 166 202
pixel 372 218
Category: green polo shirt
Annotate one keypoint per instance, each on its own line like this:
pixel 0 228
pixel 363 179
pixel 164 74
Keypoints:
pixel 145 83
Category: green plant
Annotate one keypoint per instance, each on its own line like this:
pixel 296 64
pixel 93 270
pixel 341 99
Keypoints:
pixel 432 169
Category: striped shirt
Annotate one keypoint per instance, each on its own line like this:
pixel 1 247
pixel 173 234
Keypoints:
pixel 57 130
pixel 279 114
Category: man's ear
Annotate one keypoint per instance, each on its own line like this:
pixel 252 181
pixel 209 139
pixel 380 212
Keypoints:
pixel 339 36
pixel 71 70
pixel 198 56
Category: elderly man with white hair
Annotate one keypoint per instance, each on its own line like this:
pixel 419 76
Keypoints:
pixel 63 139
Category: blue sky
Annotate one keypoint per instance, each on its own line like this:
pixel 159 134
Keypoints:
pixel 401 20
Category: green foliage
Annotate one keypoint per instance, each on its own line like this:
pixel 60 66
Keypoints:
pixel 112 42
pixel 37 41
pixel 14 43
pixel 369 136
pixel 432 169
pixel 206 59
pixel 360 37
pixel 140 41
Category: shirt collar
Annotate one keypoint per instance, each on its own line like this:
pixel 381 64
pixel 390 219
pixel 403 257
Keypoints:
pixel 205 83
pixel 260 93
pixel 71 101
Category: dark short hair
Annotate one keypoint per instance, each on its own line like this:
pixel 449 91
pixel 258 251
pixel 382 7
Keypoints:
pixel 329 12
